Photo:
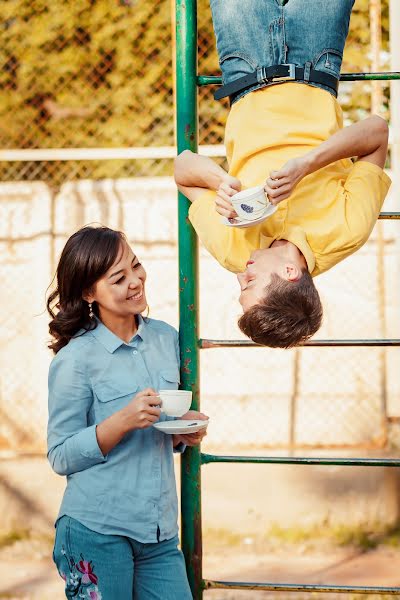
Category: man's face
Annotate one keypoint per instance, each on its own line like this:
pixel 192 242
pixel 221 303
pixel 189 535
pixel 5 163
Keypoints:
pixel 253 281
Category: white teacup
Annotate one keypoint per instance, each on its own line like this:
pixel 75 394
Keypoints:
pixel 175 403
pixel 250 204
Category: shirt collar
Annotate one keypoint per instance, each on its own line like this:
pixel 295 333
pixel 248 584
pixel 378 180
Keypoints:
pixel 142 329
pixel 110 341
pixel 298 237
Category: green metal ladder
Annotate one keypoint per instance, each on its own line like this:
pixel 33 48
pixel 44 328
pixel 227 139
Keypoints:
pixel 190 343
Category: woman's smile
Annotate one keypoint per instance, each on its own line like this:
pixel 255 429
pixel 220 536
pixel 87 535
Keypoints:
pixel 136 297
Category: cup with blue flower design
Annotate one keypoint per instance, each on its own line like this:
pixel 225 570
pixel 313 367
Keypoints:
pixel 250 204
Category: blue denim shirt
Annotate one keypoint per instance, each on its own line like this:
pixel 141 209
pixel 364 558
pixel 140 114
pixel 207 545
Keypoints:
pixel 260 33
pixel 132 490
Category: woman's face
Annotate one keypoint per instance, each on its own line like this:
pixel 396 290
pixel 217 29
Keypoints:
pixel 121 291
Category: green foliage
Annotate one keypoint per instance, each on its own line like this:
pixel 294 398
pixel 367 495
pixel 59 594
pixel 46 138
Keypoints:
pixel 99 73
pixel 365 536
pixel 10 537
pixel 356 97
pixel 105 67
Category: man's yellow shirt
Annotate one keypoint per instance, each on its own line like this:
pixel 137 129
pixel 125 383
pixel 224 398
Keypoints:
pixel 329 215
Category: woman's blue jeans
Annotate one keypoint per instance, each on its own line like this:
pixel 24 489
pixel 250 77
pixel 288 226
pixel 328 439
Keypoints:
pixel 260 33
pixel 111 567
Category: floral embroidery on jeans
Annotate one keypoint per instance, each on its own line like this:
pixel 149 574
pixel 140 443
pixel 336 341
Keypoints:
pixel 80 579
pixel 85 568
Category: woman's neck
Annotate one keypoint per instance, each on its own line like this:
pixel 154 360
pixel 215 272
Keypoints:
pixel 123 327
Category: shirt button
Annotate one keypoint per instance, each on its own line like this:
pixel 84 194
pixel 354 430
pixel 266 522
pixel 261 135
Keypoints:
pixel 134 352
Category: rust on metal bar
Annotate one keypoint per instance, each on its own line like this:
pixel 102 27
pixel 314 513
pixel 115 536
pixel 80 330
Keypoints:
pixel 206 343
pixel 287 587
pixel 301 460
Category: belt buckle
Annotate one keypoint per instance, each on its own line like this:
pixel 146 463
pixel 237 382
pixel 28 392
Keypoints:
pixel 291 75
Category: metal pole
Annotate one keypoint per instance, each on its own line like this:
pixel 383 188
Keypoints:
pixel 376 45
pixel 395 87
pixel 394 40
pixel 293 402
pixel 375 9
pixel 187 123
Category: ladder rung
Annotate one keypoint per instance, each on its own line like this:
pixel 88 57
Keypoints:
pixel 302 460
pixel 209 584
pixel 389 76
pixel 389 215
pixel 205 343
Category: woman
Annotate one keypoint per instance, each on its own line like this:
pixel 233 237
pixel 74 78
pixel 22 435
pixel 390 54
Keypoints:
pixel 116 532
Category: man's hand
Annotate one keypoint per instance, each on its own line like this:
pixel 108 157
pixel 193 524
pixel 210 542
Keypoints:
pixel 192 439
pixel 226 190
pixel 195 173
pixel 368 140
pixel 280 184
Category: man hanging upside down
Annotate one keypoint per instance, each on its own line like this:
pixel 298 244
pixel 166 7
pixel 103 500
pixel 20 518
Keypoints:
pixel 280 62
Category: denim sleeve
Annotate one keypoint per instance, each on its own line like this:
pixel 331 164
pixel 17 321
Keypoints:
pixel 72 442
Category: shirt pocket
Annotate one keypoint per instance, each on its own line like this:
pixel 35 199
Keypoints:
pixel 330 61
pixel 235 65
pixel 169 379
pixel 112 397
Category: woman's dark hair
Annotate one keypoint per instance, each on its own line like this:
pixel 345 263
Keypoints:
pixel 86 257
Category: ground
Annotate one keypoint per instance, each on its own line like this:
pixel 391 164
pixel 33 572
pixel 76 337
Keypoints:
pixel 27 572
pixel 253 530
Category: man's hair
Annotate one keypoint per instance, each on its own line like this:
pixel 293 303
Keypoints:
pixel 288 315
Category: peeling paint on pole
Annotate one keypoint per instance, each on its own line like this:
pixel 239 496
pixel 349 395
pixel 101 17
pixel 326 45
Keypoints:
pixel 186 95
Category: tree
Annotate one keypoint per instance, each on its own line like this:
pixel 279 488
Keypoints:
pixel 98 73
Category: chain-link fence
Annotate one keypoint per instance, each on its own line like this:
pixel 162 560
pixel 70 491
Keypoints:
pixel 94 74
pixel 98 74
pixel 256 398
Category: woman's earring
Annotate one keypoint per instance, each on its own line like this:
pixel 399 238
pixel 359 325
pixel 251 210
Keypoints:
pixel 91 313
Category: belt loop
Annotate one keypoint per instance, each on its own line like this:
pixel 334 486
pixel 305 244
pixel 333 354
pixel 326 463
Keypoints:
pixel 307 71
pixel 261 75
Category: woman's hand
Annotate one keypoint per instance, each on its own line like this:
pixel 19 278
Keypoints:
pixel 280 184
pixel 192 439
pixel 226 190
pixel 143 410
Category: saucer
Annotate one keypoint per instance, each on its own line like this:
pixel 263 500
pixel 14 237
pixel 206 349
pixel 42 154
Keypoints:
pixel 242 223
pixel 181 426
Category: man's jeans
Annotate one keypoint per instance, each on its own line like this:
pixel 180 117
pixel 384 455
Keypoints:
pixel 259 33
pixel 112 567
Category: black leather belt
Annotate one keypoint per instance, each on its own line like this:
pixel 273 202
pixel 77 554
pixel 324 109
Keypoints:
pixel 276 73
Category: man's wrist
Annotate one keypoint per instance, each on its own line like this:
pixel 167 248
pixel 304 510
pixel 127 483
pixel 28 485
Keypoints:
pixel 216 178
pixel 311 162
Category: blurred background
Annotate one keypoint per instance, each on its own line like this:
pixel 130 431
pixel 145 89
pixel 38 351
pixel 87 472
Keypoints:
pixel 87 135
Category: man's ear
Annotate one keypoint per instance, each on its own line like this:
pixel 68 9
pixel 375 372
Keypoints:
pixel 291 272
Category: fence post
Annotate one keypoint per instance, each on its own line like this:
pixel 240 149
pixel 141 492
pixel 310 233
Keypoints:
pixel 187 125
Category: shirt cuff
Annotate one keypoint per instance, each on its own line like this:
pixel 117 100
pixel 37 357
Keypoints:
pixel 77 453
pixel 366 166
pixel 88 445
pixel 180 448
